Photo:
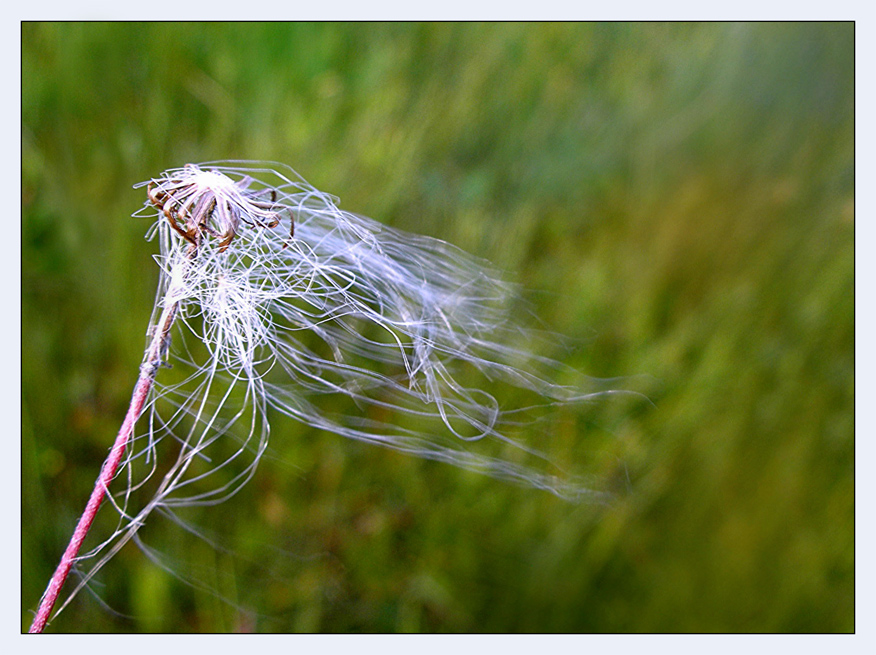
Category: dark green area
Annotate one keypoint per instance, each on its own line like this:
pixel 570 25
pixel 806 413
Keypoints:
pixel 678 198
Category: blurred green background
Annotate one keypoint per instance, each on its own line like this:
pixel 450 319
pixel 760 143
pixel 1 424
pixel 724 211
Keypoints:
pixel 678 199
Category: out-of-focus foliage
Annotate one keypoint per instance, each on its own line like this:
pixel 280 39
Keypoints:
pixel 679 198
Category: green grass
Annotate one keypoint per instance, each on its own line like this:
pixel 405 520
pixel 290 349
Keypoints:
pixel 679 200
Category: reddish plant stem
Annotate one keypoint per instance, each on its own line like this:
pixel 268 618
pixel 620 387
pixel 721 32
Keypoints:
pixel 151 362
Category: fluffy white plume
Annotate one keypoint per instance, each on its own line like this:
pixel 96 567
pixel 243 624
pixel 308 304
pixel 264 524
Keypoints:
pixel 285 302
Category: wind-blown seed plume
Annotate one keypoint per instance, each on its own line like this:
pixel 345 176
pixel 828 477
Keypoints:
pixel 284 302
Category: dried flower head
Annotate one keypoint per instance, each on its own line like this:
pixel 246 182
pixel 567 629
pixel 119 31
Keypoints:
pixel 200 202
pixel 280 301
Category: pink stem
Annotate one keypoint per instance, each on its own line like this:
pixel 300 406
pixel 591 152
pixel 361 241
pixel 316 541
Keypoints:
pixel 107 473
pixel 150 365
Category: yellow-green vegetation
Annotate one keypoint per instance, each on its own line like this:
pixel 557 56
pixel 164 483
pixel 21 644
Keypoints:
pixel 677 199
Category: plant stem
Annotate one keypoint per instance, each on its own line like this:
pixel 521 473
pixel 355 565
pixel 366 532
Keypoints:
pixel 151 363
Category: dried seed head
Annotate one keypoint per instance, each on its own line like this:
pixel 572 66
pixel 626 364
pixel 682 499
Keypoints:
pixel 196 202
pixel 351 327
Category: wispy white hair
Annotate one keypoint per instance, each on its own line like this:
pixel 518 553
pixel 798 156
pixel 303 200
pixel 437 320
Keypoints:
pixel 348 325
